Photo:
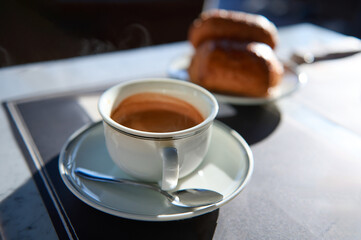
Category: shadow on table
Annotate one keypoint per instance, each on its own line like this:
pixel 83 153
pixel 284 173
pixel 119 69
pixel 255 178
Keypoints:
pixel 253 123
pixel 23 218
pixel 69 215
pixel 90 223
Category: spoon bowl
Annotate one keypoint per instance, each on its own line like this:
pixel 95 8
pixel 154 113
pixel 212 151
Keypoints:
pixel 190 198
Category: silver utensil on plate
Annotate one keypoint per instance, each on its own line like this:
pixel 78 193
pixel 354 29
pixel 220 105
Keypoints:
pixel 183 198
pixel 309 57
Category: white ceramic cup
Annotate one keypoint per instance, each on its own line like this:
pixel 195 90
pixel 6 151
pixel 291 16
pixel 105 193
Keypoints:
pixel 158 157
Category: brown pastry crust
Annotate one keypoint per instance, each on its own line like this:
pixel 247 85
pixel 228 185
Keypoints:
pixel 231 67
pixel 240 26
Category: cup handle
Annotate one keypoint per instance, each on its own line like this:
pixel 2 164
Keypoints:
pixel 170 168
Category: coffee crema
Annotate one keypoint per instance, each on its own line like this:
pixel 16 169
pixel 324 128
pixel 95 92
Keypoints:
pixel 156 112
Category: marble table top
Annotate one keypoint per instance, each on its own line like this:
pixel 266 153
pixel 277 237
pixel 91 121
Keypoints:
pixel 282 203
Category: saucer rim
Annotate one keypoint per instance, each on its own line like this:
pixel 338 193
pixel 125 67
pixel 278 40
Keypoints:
pixel 193 212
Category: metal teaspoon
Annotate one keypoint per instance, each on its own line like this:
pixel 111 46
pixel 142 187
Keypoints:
pixel 182 198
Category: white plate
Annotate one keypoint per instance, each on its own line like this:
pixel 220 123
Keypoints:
pixel 291 81
pixel 227 168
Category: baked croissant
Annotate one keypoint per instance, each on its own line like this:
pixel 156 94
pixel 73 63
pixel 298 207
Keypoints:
pixel 236 68
pixel 234 25
pixel 234 53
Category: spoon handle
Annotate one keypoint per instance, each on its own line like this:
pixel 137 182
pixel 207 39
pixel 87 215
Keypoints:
pixel 95 176
pixel 309 57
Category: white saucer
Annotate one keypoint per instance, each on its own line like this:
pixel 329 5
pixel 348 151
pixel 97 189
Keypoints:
pixel 291 81
pixel 227 168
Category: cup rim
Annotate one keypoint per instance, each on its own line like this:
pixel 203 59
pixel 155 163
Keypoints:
pixel 175 134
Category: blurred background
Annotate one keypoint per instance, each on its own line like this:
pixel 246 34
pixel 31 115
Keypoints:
pixel 41 30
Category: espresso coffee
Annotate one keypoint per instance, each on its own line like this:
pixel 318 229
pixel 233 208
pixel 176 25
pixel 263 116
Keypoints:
pixel 155 112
